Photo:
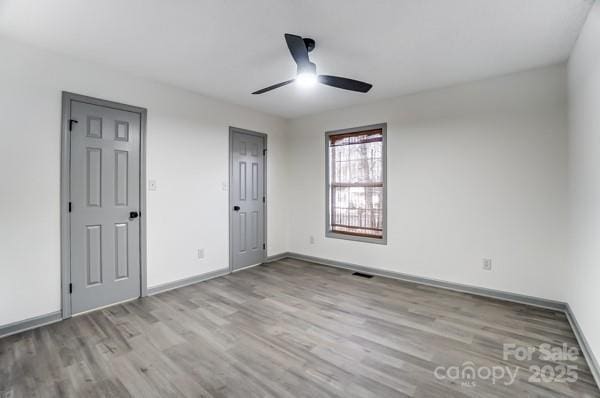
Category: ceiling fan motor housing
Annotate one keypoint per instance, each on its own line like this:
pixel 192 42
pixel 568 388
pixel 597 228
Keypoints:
pixel 309 43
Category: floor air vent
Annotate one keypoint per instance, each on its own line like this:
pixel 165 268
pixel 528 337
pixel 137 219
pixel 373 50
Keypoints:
pixel 362 275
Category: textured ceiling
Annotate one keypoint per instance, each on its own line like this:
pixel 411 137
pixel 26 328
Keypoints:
pixel 228 48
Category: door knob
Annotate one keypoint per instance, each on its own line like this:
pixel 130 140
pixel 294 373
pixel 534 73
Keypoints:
pixel 236 208
pixel 133 214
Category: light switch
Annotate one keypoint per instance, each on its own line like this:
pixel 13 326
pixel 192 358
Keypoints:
pixel 151 185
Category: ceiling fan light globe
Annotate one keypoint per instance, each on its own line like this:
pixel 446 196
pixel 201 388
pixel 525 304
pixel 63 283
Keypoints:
pixel 306 79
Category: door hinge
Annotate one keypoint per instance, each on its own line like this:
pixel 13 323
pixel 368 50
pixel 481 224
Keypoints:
pixel 70 207
pixel 70 288
pixel 71 121
pixel 264 246
pixel 264 152
pixel 264 200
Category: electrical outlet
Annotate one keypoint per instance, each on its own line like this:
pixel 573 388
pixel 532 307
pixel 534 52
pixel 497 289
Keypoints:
pixel 487 264
pixel 311 240
pixel 200 253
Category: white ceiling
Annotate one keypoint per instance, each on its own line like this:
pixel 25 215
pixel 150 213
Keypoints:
pixel 229 48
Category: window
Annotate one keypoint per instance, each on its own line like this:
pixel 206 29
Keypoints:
pixel 356 166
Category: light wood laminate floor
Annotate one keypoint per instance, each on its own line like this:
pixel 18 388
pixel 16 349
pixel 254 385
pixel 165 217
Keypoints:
pixel 289 329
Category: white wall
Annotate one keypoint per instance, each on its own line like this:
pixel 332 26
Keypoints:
pixel 583 289
pixel 187 150
pixel 477 170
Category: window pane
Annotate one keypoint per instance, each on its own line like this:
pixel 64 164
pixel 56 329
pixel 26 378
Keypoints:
pixel 357 163
pixel 357 210
pixel 356 183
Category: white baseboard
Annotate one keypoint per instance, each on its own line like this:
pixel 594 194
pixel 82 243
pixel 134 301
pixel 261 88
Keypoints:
pixel 585 346
pixel 187 281
pixel 476 290
pixel 30 323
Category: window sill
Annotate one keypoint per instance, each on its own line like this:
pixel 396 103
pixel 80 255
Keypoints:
pixel 364 239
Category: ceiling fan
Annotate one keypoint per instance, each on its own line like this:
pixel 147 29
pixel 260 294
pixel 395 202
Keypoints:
pixel 307 71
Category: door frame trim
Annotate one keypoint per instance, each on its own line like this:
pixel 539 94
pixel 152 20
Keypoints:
pixel 65 162
pixel 264 136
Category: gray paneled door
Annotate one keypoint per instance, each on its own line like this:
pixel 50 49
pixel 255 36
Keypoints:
pixel 247 199
pixel 105 201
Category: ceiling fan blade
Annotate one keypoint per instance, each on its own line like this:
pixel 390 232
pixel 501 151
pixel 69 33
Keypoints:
pixel 345 83
pixel 297 49
pixel 273 87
